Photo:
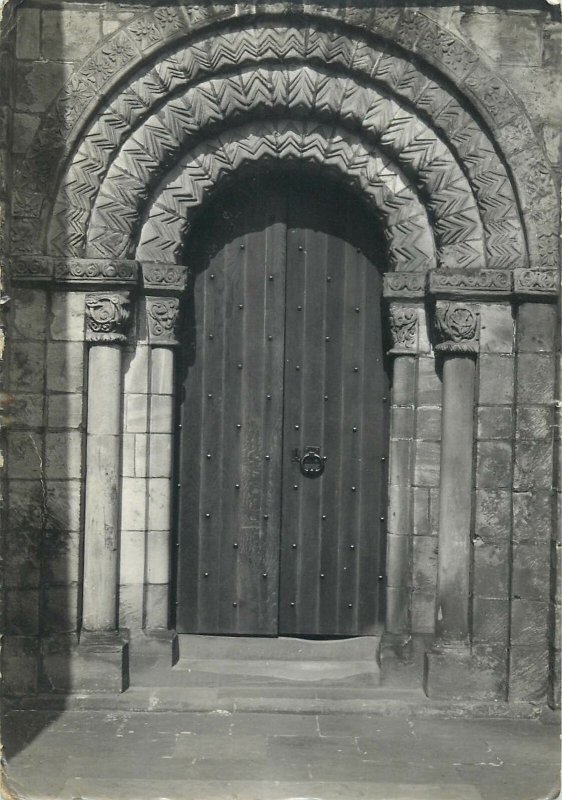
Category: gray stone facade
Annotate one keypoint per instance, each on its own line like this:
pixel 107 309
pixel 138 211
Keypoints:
pixel 117 122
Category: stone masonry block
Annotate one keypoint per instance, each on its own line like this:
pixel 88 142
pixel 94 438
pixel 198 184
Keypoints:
pixel 533 422
pixel 161 372
pixel 429 383
pixel 64 504
pixel 27 366
pixel 20 657
pixel 434 512
pixel 427 463
pixel 26 411
pixel 21 612
pixel 25 128
pixel 161 413
pixel 128 455
pixel 159 492
pixel 29 309
pixel 423 612
pixel 532 516
pixel 160 458
pixel 495 379
pixel 131 606
pixel 37 83
pixel 136 413
pixel 535 378
pixel 424 573
pixel 67 318
pixel 156 606
pixel 398 602
pixel 397 560
pixel 398 511
pixel 25 456
pixel 70 34
pixel 132 557
pixel 479 674
pixel 65 410
pixel 28 33
pixel 536 327
pixel 491 569
pixel 135 370
pixel 25 505
pixel 420 500
pixel 404 380
pixel 493 515
pixel 402 423
pixel 63 454
pixel 490 620
pixel 528 673
pixel 529 622
pixel 400 454
pixel 495 422
pixel 65 366
pixel 496 328
pixel 493 465
pixel 59 609
pixel 98 663
pixel 158 557
pixel 428 424
pixel 531 570
pixel 22 557
pixel 61 565
pixel 133 504
pixel 533 465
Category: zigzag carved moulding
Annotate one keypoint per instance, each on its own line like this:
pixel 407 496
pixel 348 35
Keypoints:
pixel 410 241
pixel 231 50
pixel 422 156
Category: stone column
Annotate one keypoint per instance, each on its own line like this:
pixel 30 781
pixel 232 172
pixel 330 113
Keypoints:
pixel 457 326
pixel 107 316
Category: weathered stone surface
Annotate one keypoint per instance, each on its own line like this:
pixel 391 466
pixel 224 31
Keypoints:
pixel 493 465
pixel 63 504
pixel 67 316
pixel 536 327
pixel 63 454
pixel 424 573
pixel 400 460
pixel 65 367
pixel 532 516
pixel 136 411
pixel 402 423
pixel 496 379
pixel 26 411
pixel 535 378
pixel 496 328
pixel 132 561
pixel 62 558
pixel 398 511
pixel 529 622
pixel 135 370
pixel 429 389
pixel 156 606
pixel 398 559
pixel 491 569
pixel 19 664
pixel 159 493
pixel 420 498
pixel 528 673
pixel 27 366
pixel 22 612
pixel 404 380
pixel 133 493
pixel 533 465
pixel 531 570
pixel 160 458
pixel 493 515
pixel 423 611
pixel 533 423
pixel 28 33
pixel 69 34
pixel 494 422
pixel 25 454
pixel 158 557
pixel 427 463
pixel 59 609
pixel 99 663
pixel 65 410
pixel 428 424
pixel 479 674
pixel 161 413
pixel 490 620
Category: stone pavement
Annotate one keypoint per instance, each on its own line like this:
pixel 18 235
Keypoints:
pixel 223 755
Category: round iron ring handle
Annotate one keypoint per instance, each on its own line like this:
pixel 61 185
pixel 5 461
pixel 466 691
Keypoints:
pixel 312 464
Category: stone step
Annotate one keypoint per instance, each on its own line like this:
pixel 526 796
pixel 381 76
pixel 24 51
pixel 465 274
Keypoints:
pixel 249 648
pixel 238 671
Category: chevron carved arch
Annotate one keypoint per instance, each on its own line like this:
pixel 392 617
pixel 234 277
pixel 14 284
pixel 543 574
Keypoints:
pixel 350 62
pixel 290 142
pixel 217 103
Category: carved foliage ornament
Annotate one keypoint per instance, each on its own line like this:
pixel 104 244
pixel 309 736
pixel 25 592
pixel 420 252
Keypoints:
pixel 162 315
pixel 458 327
pixel 107 316
pixel 403 328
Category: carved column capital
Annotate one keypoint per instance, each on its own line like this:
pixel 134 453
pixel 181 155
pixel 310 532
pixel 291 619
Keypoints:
pixel 403 325
pixel 107 316
pixel 162 314
pixel 458 327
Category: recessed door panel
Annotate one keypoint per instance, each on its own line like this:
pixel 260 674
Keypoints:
pixel 283 415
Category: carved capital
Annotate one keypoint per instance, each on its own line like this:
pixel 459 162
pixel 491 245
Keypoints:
pixel 457 326
pixel 404 285
pixel 162 314
pixel 107 316
pixel 470 283
pixel 403 323
pixel 536 283
pixel 165 277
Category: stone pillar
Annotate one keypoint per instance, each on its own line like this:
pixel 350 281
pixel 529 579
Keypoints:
pixel 457 325
pixel 107 316
pixel 162 316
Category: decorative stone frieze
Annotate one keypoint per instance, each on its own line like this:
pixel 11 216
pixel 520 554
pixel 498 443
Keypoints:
pixel 84 271
pixel 162 315
pixel 404 285
pixel 457 326
pixel 540 283
pixel 164 277
pixel 483 283
pixel 403 325
pixel 107 316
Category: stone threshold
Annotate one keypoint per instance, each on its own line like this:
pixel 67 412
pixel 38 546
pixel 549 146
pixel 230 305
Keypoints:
pixel 283 700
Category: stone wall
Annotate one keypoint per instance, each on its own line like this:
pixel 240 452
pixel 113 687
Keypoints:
pixel 59 60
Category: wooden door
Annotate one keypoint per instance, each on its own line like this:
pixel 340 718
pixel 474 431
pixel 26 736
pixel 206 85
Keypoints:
pixel 283 353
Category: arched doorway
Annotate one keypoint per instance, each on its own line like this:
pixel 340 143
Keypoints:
pixel 283 414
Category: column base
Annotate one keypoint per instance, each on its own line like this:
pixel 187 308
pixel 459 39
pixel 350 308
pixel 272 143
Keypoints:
pixel 97 661
pixel 401 658
pixel 460 672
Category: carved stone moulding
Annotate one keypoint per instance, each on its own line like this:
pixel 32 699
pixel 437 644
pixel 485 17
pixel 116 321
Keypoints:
pixel 162 314
pixel 107 317
pixel 73 271
pixel 457 326
pixel 536 283
pixel 482 284
pixel 164 278
pixel 404 328
pixel 404 285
